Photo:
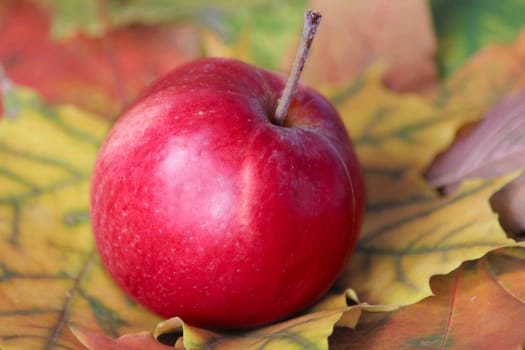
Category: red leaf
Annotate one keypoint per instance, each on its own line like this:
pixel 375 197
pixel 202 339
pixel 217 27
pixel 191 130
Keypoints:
pixel 100 75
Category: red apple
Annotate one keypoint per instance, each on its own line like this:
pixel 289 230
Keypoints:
pixel 204 208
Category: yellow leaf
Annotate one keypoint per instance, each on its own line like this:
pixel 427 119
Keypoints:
pixel 410 233
pixel 310 331
pixel 351 314
pixel 215 46
pixel 49 272
pixel 307 331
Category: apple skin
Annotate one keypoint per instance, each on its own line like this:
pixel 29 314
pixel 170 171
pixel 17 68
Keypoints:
pixel 202 208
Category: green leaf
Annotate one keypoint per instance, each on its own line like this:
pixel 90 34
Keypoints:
pixel 227 17
pixel 268 32
pixel 465 26
pixel 75 15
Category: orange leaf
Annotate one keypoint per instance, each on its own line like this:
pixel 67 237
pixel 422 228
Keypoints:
pixel 100 75
pixel 96 341
pixel 479 306
pixel 356 33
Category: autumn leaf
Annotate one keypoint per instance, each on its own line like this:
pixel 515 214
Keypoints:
pixel 46 154
pixel 352 306
pixel 260 31
pixel 309 331
pixel 305 332
pixel 49 271
pixel 100 75
pixel 410 233
pixel 97 341
pixel 491 74
pixel 481 305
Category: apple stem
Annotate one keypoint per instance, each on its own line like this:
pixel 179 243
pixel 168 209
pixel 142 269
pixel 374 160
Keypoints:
pixel 311 22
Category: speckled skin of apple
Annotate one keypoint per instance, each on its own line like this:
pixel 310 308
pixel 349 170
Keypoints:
pixel 202 208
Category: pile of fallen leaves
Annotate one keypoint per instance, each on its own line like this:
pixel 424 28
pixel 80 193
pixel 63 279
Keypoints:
pixel 431 93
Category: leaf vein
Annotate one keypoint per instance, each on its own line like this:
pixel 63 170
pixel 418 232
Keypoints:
pixel 64 313
pixel 423 213
pixel 491 274
pixel 39 159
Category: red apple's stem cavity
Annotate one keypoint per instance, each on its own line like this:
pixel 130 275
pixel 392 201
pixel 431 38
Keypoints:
pixel 311 22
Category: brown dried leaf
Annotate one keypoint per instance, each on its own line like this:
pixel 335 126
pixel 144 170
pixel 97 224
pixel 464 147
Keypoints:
pixel 494 147
pixel 509 203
